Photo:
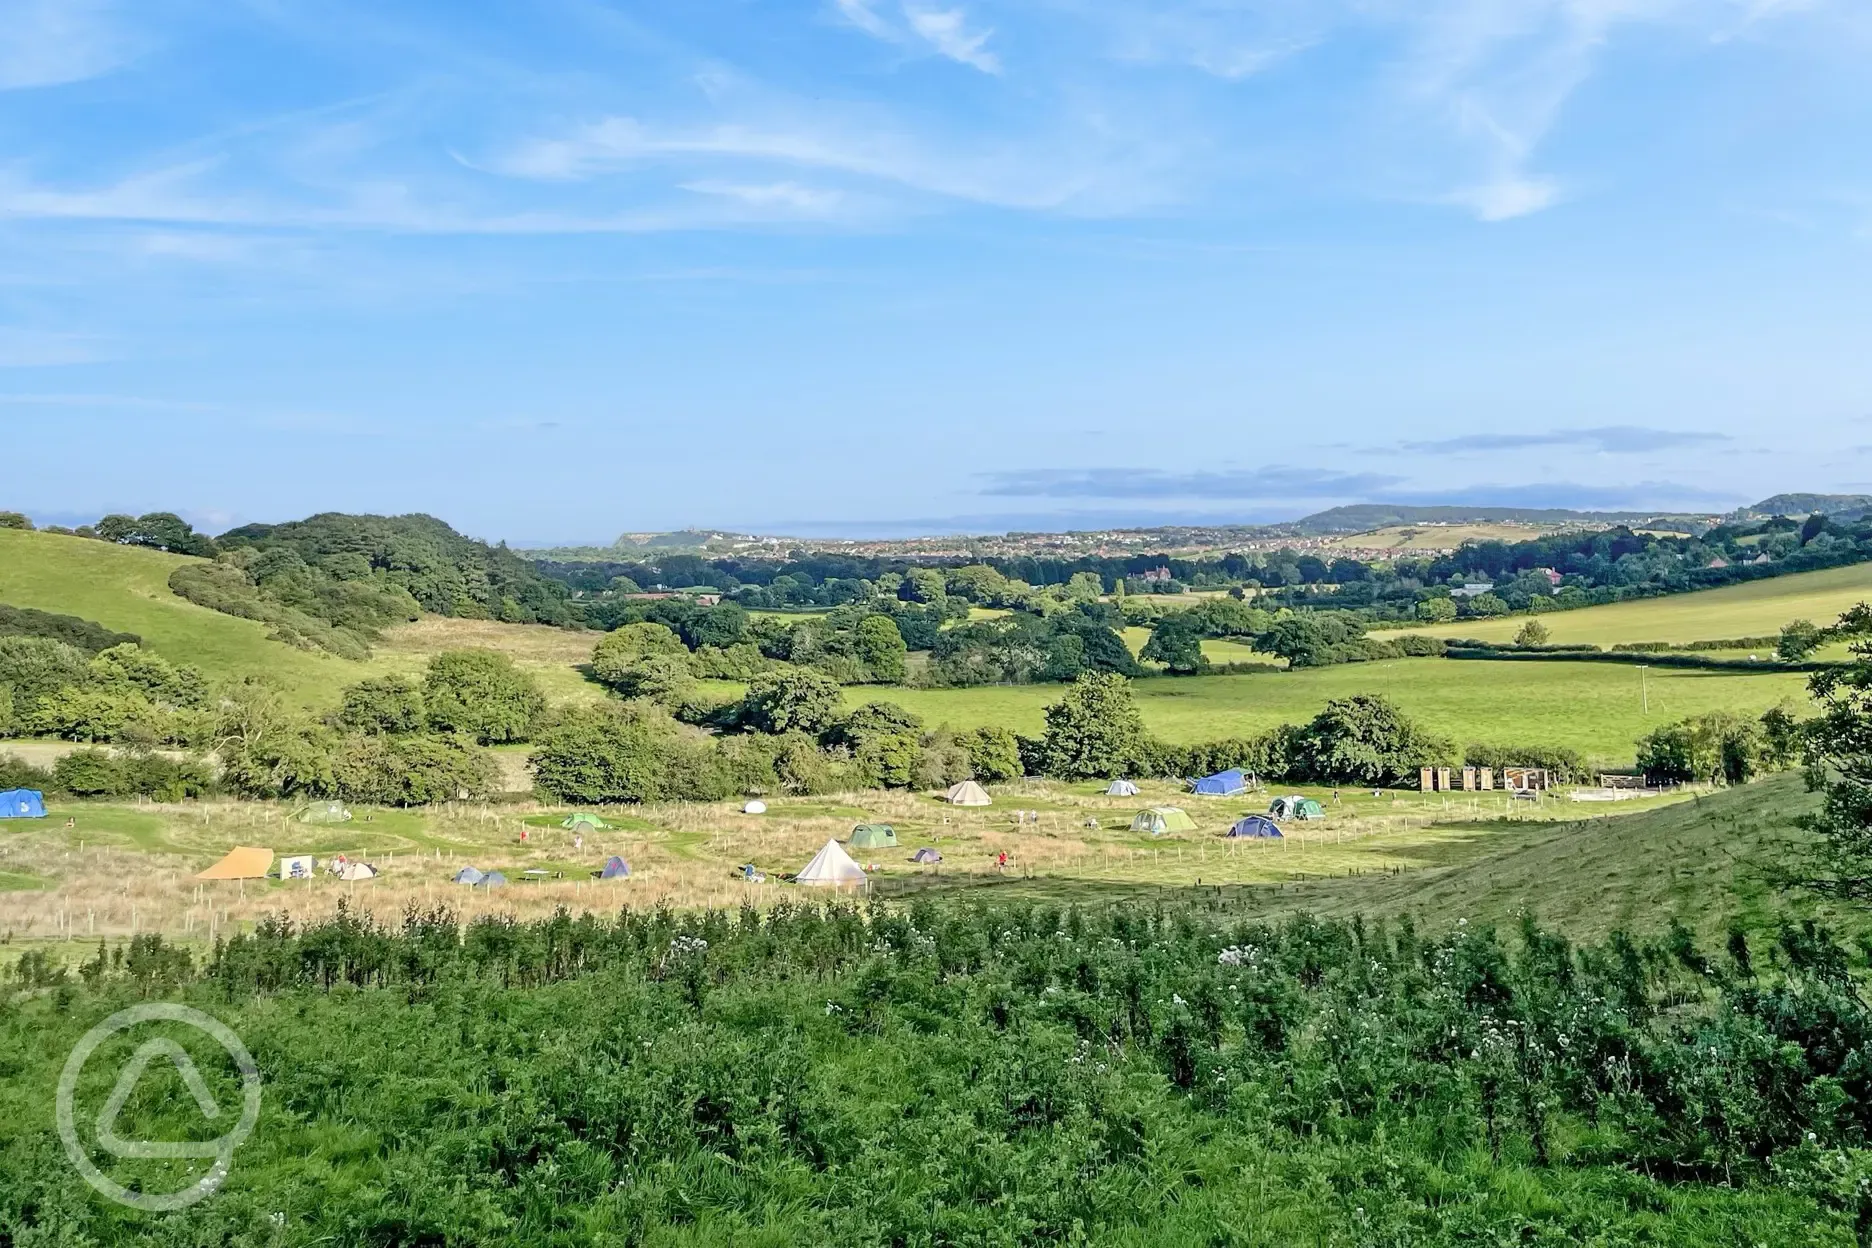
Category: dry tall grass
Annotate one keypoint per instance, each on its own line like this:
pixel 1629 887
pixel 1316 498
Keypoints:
pixel 123 870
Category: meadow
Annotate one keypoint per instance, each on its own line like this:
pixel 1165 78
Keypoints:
pixel 1596 708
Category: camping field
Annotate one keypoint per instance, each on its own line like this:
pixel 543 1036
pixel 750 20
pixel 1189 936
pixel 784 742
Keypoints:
pixel 120 869
pixel 1752 609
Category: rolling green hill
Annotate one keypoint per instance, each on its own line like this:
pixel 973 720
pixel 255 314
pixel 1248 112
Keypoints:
pixel 1752 609
pixel 127 588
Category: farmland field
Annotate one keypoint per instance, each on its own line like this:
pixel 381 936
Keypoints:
pixel 1752 609
pixel 1592 707
pixel 1406 538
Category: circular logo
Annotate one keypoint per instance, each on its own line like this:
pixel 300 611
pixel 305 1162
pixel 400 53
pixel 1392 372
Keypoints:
pixel 222 1149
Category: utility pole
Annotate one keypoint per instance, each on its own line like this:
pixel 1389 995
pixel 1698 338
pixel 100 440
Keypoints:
pixel 1644 695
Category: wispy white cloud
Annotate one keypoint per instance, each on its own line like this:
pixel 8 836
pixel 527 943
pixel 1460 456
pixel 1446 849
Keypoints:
pixel 1075 172
pixel 864 15
pixel 33 348
pixel 44 43
pixel 943 31
pixel 947 31
pixel 807 200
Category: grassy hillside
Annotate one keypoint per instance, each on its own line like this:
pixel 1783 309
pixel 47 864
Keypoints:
pixel 1755 609
pixel 1702 862
pixel 127 588
pixel 1593 707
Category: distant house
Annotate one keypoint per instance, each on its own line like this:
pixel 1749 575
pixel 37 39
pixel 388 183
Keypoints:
pixel 1553 577
pixel 1717 562
pixel 1154 576
pixel 1761 558
pixel 1472 589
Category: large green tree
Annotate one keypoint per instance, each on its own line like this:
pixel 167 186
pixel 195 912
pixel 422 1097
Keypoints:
pixel 481 695
pixel 1365 739
pixel 798 700
pixel 1094 730
pixel 1839 766
pixel 1176 643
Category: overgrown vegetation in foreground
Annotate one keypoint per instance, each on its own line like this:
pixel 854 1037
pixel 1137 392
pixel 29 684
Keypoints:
pixel 995 1076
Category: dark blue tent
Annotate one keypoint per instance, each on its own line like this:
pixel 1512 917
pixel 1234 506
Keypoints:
pixel 1222 784
pixel 22 804
pixel 1254 825
pixel 615 868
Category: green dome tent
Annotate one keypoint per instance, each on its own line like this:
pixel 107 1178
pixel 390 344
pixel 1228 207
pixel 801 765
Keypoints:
pixel 583 822
pixel 874 836
pixel 1296 807
pixel 1161 820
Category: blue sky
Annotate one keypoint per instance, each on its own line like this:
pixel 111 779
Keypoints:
pixel 555 270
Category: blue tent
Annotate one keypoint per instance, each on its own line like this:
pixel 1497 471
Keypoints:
pixel 22 804
pixel 1222 784
pixel 615 868
pixel 1254 825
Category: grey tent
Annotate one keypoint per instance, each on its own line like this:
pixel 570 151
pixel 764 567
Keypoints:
pixel 492 879
pixel 1121 788
pixel 615 868
pixel 926 855
pixel 469 876
pixel 323 812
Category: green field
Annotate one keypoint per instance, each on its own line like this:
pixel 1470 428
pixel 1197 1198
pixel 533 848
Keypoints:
pixel 1592 707
pixel 1755 609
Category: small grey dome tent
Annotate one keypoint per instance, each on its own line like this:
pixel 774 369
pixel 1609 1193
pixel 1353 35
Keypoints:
pixel 469 876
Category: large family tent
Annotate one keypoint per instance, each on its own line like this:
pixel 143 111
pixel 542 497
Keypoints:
pixel 583 822
pixel 323 812
pixel 22 804
pixel 1222 784
pixel 968 793
pixel 615 868
pixel 874 836
pixel 296 866
pixel 755 807
pixel 926 856
pixel 1254 825
pixel 243 862
pixel 1296 807
pixel 1159 820
pixel 1121 788
pixel 831 866
pixel 469 876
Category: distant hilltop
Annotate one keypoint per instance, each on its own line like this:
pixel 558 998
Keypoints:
pixel 1335 522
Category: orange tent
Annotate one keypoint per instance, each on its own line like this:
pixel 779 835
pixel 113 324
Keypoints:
pixel 242 863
